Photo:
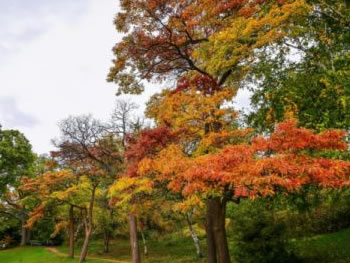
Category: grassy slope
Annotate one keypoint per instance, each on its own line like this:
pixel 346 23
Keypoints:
pixel 329 248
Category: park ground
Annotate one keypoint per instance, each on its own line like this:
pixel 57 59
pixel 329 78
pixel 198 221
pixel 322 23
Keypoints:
pixel 328 248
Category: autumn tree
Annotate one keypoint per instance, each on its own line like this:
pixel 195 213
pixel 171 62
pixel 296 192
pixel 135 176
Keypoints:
pixel 287 161
pixel 125 125
pixel 59 189
pixel 209 48
pixel 87 148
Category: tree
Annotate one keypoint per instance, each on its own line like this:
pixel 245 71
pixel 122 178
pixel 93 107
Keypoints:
pixel 286 161
pixel 16 161
pixel 306 75
pixel 208 47
pixel 171 38
pixel 90 150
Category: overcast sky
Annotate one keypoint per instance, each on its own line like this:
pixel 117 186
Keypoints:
pixel 54 58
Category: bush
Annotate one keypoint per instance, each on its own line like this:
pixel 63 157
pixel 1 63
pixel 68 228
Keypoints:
pixel 258 237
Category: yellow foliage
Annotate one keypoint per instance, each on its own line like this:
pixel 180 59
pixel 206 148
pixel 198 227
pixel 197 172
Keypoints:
pixel 191 110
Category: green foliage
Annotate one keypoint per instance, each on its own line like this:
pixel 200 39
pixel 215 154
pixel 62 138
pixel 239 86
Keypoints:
pixel 316 212
pixel 16 157
pixel 259 237
pixel 306 75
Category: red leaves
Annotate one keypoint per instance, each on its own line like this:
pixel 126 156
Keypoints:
pixel 270 165
pixel 149 143
pixel 289 138
pixel 203 83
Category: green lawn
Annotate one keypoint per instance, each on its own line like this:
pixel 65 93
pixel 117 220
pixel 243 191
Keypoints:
pixel 179 250
pixel 329 248
pixel 35 255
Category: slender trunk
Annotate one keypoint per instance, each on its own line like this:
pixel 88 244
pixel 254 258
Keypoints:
pixel 106 237
pixel 88 227
pixel 217 211
pixel 135 252
pixel 71 232
pixel 77 231
pixel 84 249
pixel 23 229
pixel 145 250
pixel 194 235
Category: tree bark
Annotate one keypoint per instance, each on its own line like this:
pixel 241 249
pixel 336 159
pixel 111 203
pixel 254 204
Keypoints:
pixel 24 230
pixel 135 252
pixel 218 251
pixel 145 250
pixel 88 227
pixel 71 232
pixel 194 235
pixel 209 227
pixel 106 238
pixel 77 231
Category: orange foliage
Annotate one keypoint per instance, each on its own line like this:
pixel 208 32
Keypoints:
pixel 280 162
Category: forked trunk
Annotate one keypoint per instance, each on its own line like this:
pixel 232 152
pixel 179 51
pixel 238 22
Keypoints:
pixel 135 252
pixel 88 221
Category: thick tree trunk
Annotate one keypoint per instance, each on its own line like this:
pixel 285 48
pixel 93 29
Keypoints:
pixel 88 227
pixel 28 235
pixel 218 209
pixel 216 232
pixel 71 232
pixel 194 235
pixel 106 238
pixel 23 236
pixel 24 230
pixel 135 252
pixel 145 250
pixel 209 227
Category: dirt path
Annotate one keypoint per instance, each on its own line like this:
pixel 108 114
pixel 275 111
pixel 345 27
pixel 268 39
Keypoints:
pixel 58 253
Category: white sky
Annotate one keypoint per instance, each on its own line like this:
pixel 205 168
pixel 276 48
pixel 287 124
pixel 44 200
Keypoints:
pixel 54 59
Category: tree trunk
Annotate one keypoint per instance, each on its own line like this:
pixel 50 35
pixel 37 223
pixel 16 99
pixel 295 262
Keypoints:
pixel 135 252
pixel 71 232
pixel 77 231
pixel 106 237
pixel 88 227
pixel 217 212
pixel 145 250
pixel 194 235
pixel 24 230
pixel 84 249
pixel 209 227
pixel 28 235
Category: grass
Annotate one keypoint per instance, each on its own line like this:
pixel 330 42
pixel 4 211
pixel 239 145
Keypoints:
pixel 35 255
pixel 179 250
pixel 328 248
